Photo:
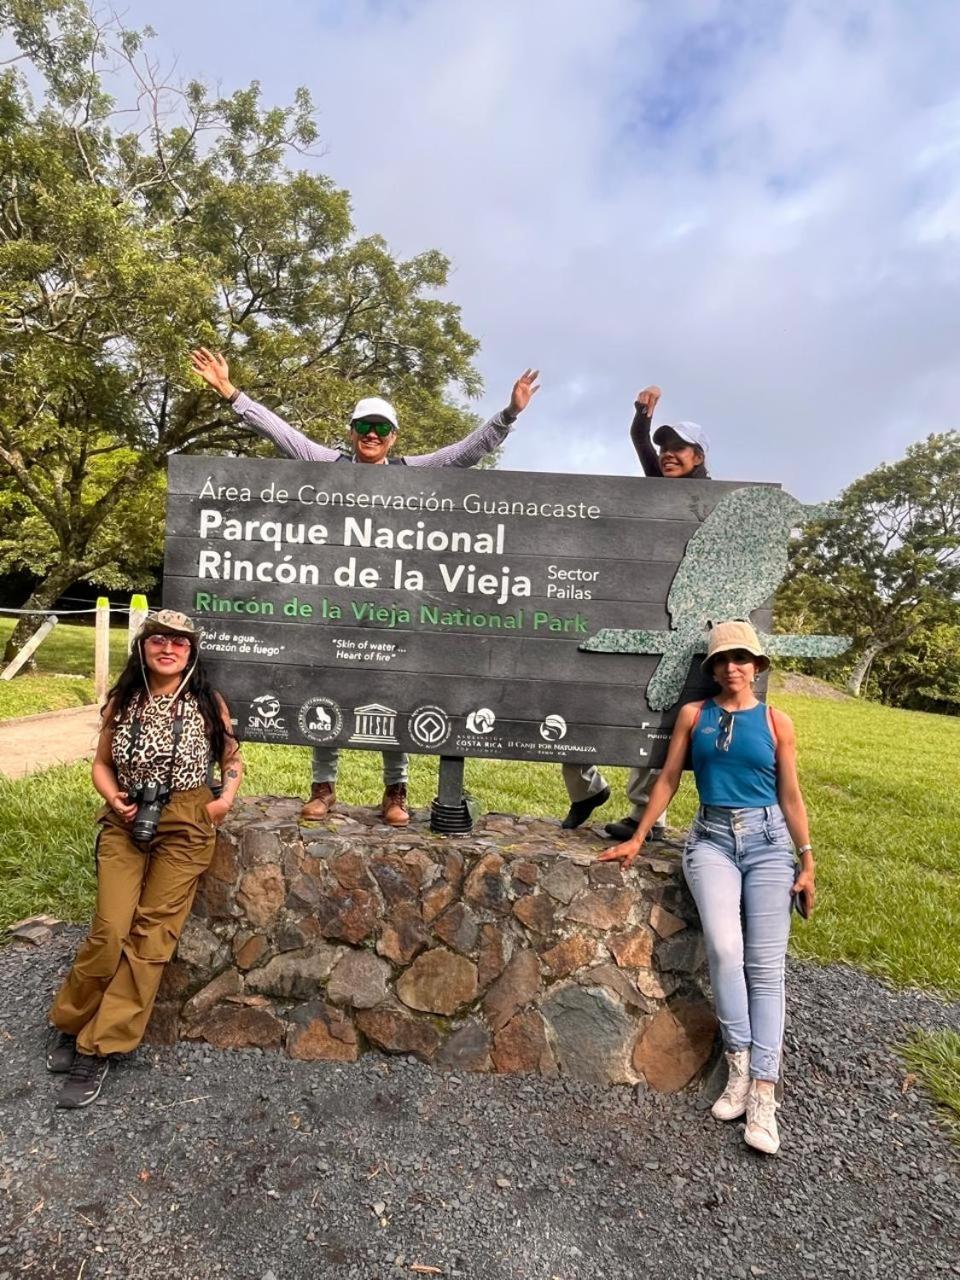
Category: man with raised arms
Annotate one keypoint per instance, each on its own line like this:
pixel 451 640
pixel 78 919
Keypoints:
pixel 680 454
pixel 373 433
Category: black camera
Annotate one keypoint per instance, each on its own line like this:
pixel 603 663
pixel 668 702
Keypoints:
pixel 150 798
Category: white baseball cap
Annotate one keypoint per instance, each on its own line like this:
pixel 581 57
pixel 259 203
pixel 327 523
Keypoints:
pixel 691 432
pixel 374 407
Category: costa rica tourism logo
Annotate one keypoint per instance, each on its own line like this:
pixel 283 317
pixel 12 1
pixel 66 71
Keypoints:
pixel 481 721
pixel 320 720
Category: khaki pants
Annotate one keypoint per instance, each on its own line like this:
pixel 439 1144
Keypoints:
pixel 143 899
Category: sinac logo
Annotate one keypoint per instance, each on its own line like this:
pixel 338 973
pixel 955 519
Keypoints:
pixel 265 718
pixel 267 706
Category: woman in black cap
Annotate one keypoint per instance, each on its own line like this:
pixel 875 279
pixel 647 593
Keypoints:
pixel 681 455
pixel 681 452
pixel 163 726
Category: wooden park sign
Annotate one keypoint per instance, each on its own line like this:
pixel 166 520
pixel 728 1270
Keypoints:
pixel 505 614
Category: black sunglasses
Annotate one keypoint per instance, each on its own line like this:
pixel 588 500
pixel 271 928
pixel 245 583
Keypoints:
pixel 725 732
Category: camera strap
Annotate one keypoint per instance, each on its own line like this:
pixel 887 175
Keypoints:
pixel 177 733
pixel 178 715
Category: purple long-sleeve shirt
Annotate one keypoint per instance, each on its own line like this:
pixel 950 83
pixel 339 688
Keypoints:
pixel 294 444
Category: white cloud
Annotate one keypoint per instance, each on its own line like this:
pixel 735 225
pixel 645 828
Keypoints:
pixel 755 206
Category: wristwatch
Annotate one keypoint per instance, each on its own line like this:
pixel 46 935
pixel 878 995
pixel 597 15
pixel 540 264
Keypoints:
pixel 805 848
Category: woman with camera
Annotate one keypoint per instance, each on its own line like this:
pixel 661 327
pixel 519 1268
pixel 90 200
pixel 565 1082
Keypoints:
pixel 163 727
pixel 740 864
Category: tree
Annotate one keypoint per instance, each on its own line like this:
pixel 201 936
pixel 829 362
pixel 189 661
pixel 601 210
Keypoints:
pixel 925 673
pixel 127 236
pixel 888 563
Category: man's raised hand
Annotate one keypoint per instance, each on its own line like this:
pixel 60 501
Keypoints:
pixel 213 368
pixel 524 389
pixel 647 399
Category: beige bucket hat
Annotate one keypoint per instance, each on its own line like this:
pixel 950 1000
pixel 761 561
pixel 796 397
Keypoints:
pixel 167 622
pixel 725 636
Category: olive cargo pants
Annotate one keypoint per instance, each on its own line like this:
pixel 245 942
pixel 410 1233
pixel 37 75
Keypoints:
pixel 143 899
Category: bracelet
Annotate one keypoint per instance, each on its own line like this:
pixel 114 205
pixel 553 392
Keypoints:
pixel 805 848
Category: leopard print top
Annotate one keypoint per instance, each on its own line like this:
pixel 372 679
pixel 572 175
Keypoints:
pixel 151 755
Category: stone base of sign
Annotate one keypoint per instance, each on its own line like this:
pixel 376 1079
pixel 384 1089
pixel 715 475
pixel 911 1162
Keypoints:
pixel 511 950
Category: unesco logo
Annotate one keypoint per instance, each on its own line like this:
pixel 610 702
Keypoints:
pixel 429 726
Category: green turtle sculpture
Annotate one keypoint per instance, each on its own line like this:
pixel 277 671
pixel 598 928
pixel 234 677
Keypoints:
pixel 731 566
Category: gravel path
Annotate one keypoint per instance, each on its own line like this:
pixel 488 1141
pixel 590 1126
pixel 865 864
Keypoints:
pixel 250 1166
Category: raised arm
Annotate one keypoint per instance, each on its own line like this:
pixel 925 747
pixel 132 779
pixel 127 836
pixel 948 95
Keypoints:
pixel 645 404
pixel 483 440
pixel 213 368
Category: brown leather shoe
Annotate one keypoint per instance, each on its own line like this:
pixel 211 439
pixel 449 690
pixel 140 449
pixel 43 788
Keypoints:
pixel 393 807
pixel 323 797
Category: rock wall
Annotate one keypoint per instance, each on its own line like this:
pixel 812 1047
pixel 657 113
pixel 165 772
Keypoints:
pixel 511 950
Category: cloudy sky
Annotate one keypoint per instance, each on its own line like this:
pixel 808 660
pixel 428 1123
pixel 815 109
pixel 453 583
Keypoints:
pixel 753 203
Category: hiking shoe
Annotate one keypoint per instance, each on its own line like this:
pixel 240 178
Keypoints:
pixel 393 807
pixel 581 810
pixel 61 1047
pixel 732 1103
pixel 761 1132
pixel 627 827
pixel 622 830
pixel 323 797
pixel 82 1086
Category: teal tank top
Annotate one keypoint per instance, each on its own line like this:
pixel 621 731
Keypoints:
pixel 744 775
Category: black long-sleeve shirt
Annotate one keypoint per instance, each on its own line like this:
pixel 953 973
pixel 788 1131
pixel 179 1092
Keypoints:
pixel 649 458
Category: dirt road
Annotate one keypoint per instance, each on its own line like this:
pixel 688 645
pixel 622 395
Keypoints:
pixel 32 743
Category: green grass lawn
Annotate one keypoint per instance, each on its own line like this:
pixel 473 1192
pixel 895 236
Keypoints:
pixel 28 695
pixel 937 1059
pixel 67 651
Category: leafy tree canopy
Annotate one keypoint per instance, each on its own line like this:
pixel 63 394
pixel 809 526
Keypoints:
pixel 887 565
pixel 137 219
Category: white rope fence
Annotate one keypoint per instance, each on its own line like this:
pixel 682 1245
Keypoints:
pixel 60 613
pixel 136 611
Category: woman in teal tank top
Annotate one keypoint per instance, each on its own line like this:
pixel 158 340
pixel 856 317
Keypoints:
pixel 740 864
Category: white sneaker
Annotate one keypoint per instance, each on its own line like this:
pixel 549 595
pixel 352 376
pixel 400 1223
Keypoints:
pixel 761 1131
pixel 733 1101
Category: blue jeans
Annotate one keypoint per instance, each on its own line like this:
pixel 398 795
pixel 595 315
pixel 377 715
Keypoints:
pixel 740 866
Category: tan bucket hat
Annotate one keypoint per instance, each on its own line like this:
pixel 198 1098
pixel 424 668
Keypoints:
pixel 734 635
